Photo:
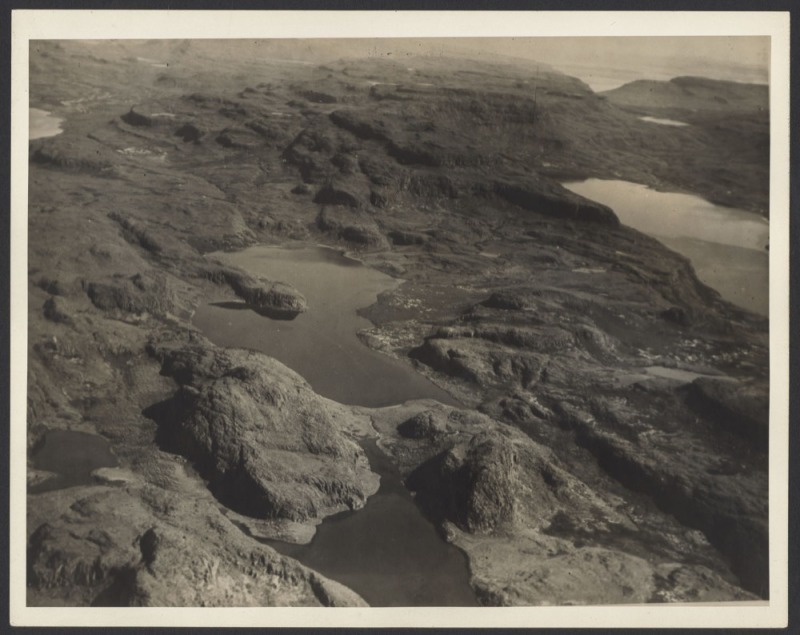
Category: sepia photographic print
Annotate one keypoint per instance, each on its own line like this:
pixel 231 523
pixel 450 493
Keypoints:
pixel 476 319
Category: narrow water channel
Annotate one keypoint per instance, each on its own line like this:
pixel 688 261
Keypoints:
pixel 727 246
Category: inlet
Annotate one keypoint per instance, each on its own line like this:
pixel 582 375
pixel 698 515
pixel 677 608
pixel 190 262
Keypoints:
pixel 387 552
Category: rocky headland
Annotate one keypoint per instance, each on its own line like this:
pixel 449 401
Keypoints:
pixel 611 443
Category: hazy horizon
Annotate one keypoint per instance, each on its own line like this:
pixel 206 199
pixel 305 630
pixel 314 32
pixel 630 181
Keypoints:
pixel 602 62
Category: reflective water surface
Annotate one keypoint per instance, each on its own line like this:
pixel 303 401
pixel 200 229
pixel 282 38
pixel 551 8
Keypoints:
pixel 73 456
pixel 727 246
pixel 42 124
pixel 321 344
pixel 387 552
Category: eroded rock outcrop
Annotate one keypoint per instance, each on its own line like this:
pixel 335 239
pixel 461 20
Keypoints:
pixel 351 226
pixel 548 198
pixel 739 408
pixel 147 292
pixel 309 152
pixel 160 549
pixel 278 300
pixel 190 132
pixel 238 138
pixel 135 117
pixel 473 485
pixel 330 195
pixel 533 530
pixel 263 439
pixel 67 155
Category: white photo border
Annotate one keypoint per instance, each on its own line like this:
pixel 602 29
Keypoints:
pixel 27 25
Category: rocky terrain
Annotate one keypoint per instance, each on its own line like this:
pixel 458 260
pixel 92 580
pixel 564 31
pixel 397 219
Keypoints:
pixel 611 445
pixel 731 119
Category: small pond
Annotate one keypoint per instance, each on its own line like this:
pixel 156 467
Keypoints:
pixel 727 246
pixel 321 344
pixel 681 374
pixel 42 124
pixel 72 456
pixel 664 122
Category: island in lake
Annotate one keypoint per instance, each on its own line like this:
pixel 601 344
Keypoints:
pixel 315 328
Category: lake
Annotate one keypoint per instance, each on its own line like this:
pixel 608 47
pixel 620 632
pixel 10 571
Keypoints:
pixel 387 552
pixel 42 124
pixel 727 246
pixel 321 344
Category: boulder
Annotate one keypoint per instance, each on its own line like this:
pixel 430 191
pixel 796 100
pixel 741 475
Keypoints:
pixel 135 117
pixel 330 195
pixel 423 425
pixel 189 132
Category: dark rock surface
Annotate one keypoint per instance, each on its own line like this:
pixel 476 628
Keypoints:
pixel 552 201
pixel 351 226
pixel 423 425
pixel 330 195
pixel 472 486
pixel 189 132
